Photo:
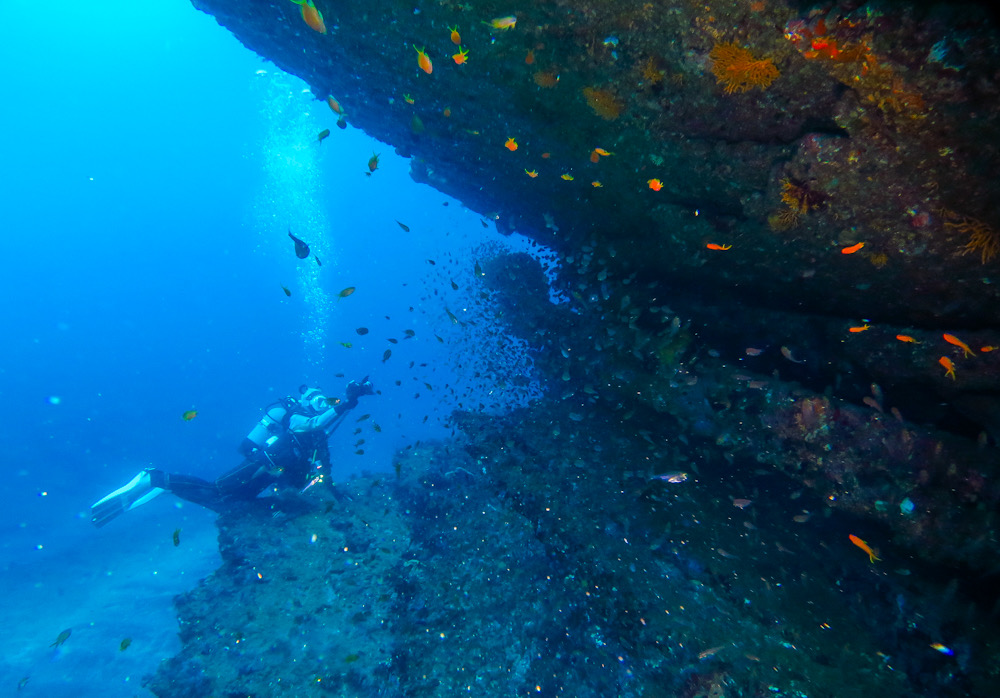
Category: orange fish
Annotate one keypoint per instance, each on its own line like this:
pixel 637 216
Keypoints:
pixel 455 36
pixel 713 246
pixel 423 60
pixel 987 349
pixel 655 184
pixel 408 99
pixel 189 415
pixel 568 177
pixel 313 17
pixel 753 351
pixel 602 152
pixel 906 338
pixel 859 328
pixel 864 546
pixel 949 367
pixel 529 58
pixel 952 339
pixel 373 163
pixel 335 105
pixel 447 111
pixel 596 184
pixel 595 156
pixel 531 173
pixel 510 145
pixel 546 156
pixel 852 249
pixel 787 353
pixel 461 57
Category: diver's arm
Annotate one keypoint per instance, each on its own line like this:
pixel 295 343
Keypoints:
pixel 299 424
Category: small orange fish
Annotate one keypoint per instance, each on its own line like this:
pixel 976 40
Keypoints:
pixel 508 22
pixel 456 38
pixel 546 156
pixel 655 184
pixel 753 351
pixel 313 17
pixel 568 177
pixel 423 60
pixel 595 156
pixel 952 339
pixel 408 99
pixel 740 503
pixel 335 105
pixel 531 173
pixel 510 145
pixel 447 111
pixel 714 246
pixel 949 367
pixel 987 349
pixel 529 57
pixel 596 184
pixel 461 57
pixel 852 249
pixel 864 546
pixel 906 338
pixel 373 162
pixel 189 415
pixel 859 328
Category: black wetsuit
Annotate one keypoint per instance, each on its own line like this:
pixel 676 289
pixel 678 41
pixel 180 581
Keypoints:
pixel 291 464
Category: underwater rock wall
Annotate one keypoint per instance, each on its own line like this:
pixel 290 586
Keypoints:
pixel 790 134
pixel 539 556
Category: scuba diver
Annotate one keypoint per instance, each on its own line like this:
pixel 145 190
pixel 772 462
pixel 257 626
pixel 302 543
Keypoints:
pixel 286 449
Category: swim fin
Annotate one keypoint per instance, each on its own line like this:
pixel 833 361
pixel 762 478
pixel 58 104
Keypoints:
pixel 137 492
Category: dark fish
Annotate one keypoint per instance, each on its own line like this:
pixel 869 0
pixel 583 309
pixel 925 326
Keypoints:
pixel 454 286
pixel 373 163
pixel 386 355
pixel 357 431
pixel 410 334
pixel 346 292
pixel 454 320
pixel 439 339
pixel 431 262
pixel 478 270
pixel 342 122
pixel 301 248
pixel 318 263
pixel 392 341
pixel 24 682
pixel 177 537
pixel 346 345
pixel 362 418
pixel 189 415
pixel 63 636
pixel 285 289
pixel 323 134
pixel 124 645
pixel 359 442
pixel 485 224
pixel 376 427
pixel 338 375
pixel 360 452
pixel 362 330
pixel 404 226
pixel 416 125
pixel 351 658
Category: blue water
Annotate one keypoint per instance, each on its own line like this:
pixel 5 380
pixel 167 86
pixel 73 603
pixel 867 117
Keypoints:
pixel 152 168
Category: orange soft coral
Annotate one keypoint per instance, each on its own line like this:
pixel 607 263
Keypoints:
pixel 738 70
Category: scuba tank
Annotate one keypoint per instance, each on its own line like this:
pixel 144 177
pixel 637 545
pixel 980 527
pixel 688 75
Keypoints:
pixel 271 435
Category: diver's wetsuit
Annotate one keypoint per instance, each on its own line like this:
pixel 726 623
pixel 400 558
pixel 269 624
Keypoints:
pixel 300 452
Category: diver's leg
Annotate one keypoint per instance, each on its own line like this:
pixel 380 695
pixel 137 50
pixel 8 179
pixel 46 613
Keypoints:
pixel 192 489
pixel 245 481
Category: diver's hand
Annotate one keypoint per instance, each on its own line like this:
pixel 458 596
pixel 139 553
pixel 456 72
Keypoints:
pixel 355 390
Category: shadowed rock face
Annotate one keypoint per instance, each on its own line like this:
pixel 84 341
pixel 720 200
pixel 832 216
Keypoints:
pixel 881 128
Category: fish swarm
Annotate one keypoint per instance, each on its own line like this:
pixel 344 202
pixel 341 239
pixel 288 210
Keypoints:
pixel 983 239
pixel 738 70
pixel 603 102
